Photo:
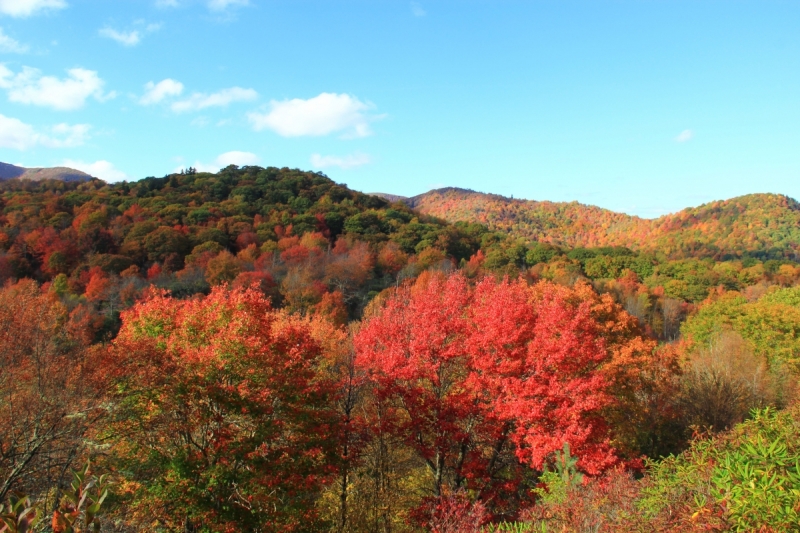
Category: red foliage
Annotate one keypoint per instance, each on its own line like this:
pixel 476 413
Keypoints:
pixel 322 226
pixel 6 268
pixel 414 352
pixel 538 358
pixel 475 263
pixel 246 239
pixel 453 513
pixel 332 307
pixel 98 286
pixel 259 280
pixel 463 372
pixel 154 271
pixel 391 258
pixel 295 255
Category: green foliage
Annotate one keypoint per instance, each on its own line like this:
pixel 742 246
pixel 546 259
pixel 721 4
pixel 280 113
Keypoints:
pixel 18 515
pixel 78 511
pixel 752 473
pixel 771 325
pixel 560 476
pixel 711 319
pixel 82 503
pixel 790 297
pixel 541 253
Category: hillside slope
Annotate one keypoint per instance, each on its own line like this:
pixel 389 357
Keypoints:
pixel 764 225
pixel 8 172
pixel 307 240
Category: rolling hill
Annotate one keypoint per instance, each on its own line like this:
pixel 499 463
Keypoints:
pixel 763 225
pixel 8 172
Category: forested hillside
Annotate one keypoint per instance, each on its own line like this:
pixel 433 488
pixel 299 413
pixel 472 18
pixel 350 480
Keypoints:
pixel 766 226
pixel 308 242
pixel 263 349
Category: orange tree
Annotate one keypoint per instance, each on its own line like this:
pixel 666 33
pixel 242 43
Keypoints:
pixel 220 422
pixel 46 398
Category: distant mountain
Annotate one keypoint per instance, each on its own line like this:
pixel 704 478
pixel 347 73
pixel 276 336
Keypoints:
pixel 8 172
pixel 389 197
pixel 765 225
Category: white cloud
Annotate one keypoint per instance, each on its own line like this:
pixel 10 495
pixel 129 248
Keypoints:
pixel 417 10
pixel 223 160
pixel 26 8
pixel 348 161
pixel 30 87
pixel 68 136
pixel 102 169
pixel 156 92
pixel 169 88
pixel 130 38
pixel 17 135
pixel 684 136
pixel 221 98
pixel 237 158
pixel 322 115
pixel 222 5
pixel 10 45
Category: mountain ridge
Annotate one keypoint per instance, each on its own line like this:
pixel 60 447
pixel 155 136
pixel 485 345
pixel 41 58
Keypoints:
pixel 763 223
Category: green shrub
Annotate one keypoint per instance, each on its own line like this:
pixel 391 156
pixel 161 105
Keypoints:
pixel 751 475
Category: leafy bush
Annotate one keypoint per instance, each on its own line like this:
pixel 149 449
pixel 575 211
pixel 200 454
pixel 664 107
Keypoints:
pixel 745 480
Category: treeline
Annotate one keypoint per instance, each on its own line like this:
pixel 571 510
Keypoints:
pixel 313 246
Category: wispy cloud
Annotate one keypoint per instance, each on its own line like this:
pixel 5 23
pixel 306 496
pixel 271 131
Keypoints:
pixel 156 92
pixel 170 89
pixel 18 135
pixel 684 136
pixel 345 162
pixel 27 8
pixel 322 115
pixel 99 169
pixel 11 46
pixel 222 98
pixel 416 10
pixel 129 38
pixel 30 87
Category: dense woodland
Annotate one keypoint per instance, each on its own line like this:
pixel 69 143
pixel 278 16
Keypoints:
pixel 263 349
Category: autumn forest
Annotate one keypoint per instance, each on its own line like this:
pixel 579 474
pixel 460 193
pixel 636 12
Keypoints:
pixel 265 350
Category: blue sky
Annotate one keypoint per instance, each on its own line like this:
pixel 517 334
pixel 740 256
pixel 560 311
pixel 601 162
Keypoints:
pixel 642 107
